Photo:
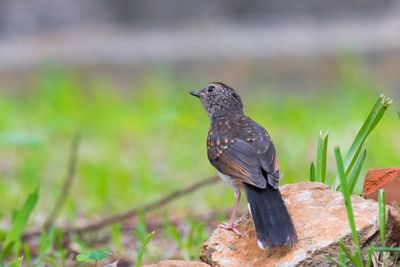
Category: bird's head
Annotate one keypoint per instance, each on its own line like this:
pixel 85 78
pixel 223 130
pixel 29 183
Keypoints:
pixel 219 98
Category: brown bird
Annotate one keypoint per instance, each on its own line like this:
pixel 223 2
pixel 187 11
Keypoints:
pixel 243 154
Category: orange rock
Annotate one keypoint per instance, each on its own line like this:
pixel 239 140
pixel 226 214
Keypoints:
pixel 177 263
pixel 320 218
pixel 388 179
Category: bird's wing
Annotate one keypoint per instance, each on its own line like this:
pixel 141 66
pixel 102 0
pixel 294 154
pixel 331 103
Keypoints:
pixel 266 153
pixel 270 164
pixel 238 159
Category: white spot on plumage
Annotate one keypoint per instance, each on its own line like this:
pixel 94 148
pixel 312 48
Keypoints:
pixel 259 243
pixel 248 206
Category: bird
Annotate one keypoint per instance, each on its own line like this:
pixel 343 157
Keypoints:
pixel 244 156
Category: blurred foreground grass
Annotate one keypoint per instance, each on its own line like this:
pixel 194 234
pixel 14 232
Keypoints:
pixel 141 143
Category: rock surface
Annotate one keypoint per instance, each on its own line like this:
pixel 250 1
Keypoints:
pixel 177 263
pixel 388 179
pixel 320 218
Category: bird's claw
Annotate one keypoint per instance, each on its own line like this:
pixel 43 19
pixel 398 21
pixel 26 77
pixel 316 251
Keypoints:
pixel 230 227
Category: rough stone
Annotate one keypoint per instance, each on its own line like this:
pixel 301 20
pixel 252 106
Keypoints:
pixel 388 179
pixel 178 263
pixel 393 234
pixel 320 218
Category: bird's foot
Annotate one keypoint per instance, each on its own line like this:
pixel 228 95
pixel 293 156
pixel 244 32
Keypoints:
pixel 230 227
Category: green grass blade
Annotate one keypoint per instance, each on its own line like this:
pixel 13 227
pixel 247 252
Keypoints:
pixel 141 227
pixel 174 233
pixel 17 262
pixel 347 201
pixel 348 253
pixel 386 249
pixel 382 215
pixel 341 256
pixel 27 254
pixel 46 241
pixel 324 157
pixel 318 159
pixel 190 240
pixel 372 120
pixel 355 172
pixel 370 253
pixel 312 172
pixel 338 263
pixel 141 250
pixel 320 170
pixel 116 238
pixel 20 222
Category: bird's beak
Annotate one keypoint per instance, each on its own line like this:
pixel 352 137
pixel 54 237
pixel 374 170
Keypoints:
pixel 195 93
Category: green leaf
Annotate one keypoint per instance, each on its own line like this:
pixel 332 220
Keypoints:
pixel 386 249
pixel 320 170
pixel 174 233
pixel 347 202
pixel 355 172
pixel 20 222
pixel 83 258
pixel 341 256
pixel 352 257
pixel 46 242
pixel 116 238
pixel 370 253
pixel 141 250
pixel 359 187
pixel 338 263
pixel 96 255
pixel 27 254
pixel 372 120
pixel 99 254
pixel 382 215
pixel 141 226
pixel 312 172
pixel 17 262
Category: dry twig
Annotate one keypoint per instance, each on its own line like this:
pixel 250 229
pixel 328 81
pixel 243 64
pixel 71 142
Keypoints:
pixel 133 212
pixel 71 169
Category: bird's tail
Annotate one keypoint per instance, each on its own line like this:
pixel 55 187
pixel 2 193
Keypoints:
pixel 274 226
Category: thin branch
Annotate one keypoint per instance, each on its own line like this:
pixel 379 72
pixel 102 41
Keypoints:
pixel 71 170
pixel 148 207
pixel 133 212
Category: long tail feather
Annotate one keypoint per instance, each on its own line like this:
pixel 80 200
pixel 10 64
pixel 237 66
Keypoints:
pixel 273 224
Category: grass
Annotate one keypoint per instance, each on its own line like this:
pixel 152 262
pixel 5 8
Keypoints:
pixel 355 157
pixel 348 176
pixel 142 142
pixel 318 173
pixel 356 256
pixel 153 135
pixel 354 253
pixel 19 222
pixel 139 254
pixel 356 153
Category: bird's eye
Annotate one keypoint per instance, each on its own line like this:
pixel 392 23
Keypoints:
pixel 235 95
pixel 210 88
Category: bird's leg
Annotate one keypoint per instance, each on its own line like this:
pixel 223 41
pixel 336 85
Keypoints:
pixel 230 226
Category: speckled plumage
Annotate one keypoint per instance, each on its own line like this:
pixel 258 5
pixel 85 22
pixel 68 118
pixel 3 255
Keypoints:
pixel 243 153
pixel 236 145
pixel 239 147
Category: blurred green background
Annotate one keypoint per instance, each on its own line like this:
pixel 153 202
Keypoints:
pixel 144 141
pixel 119 72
